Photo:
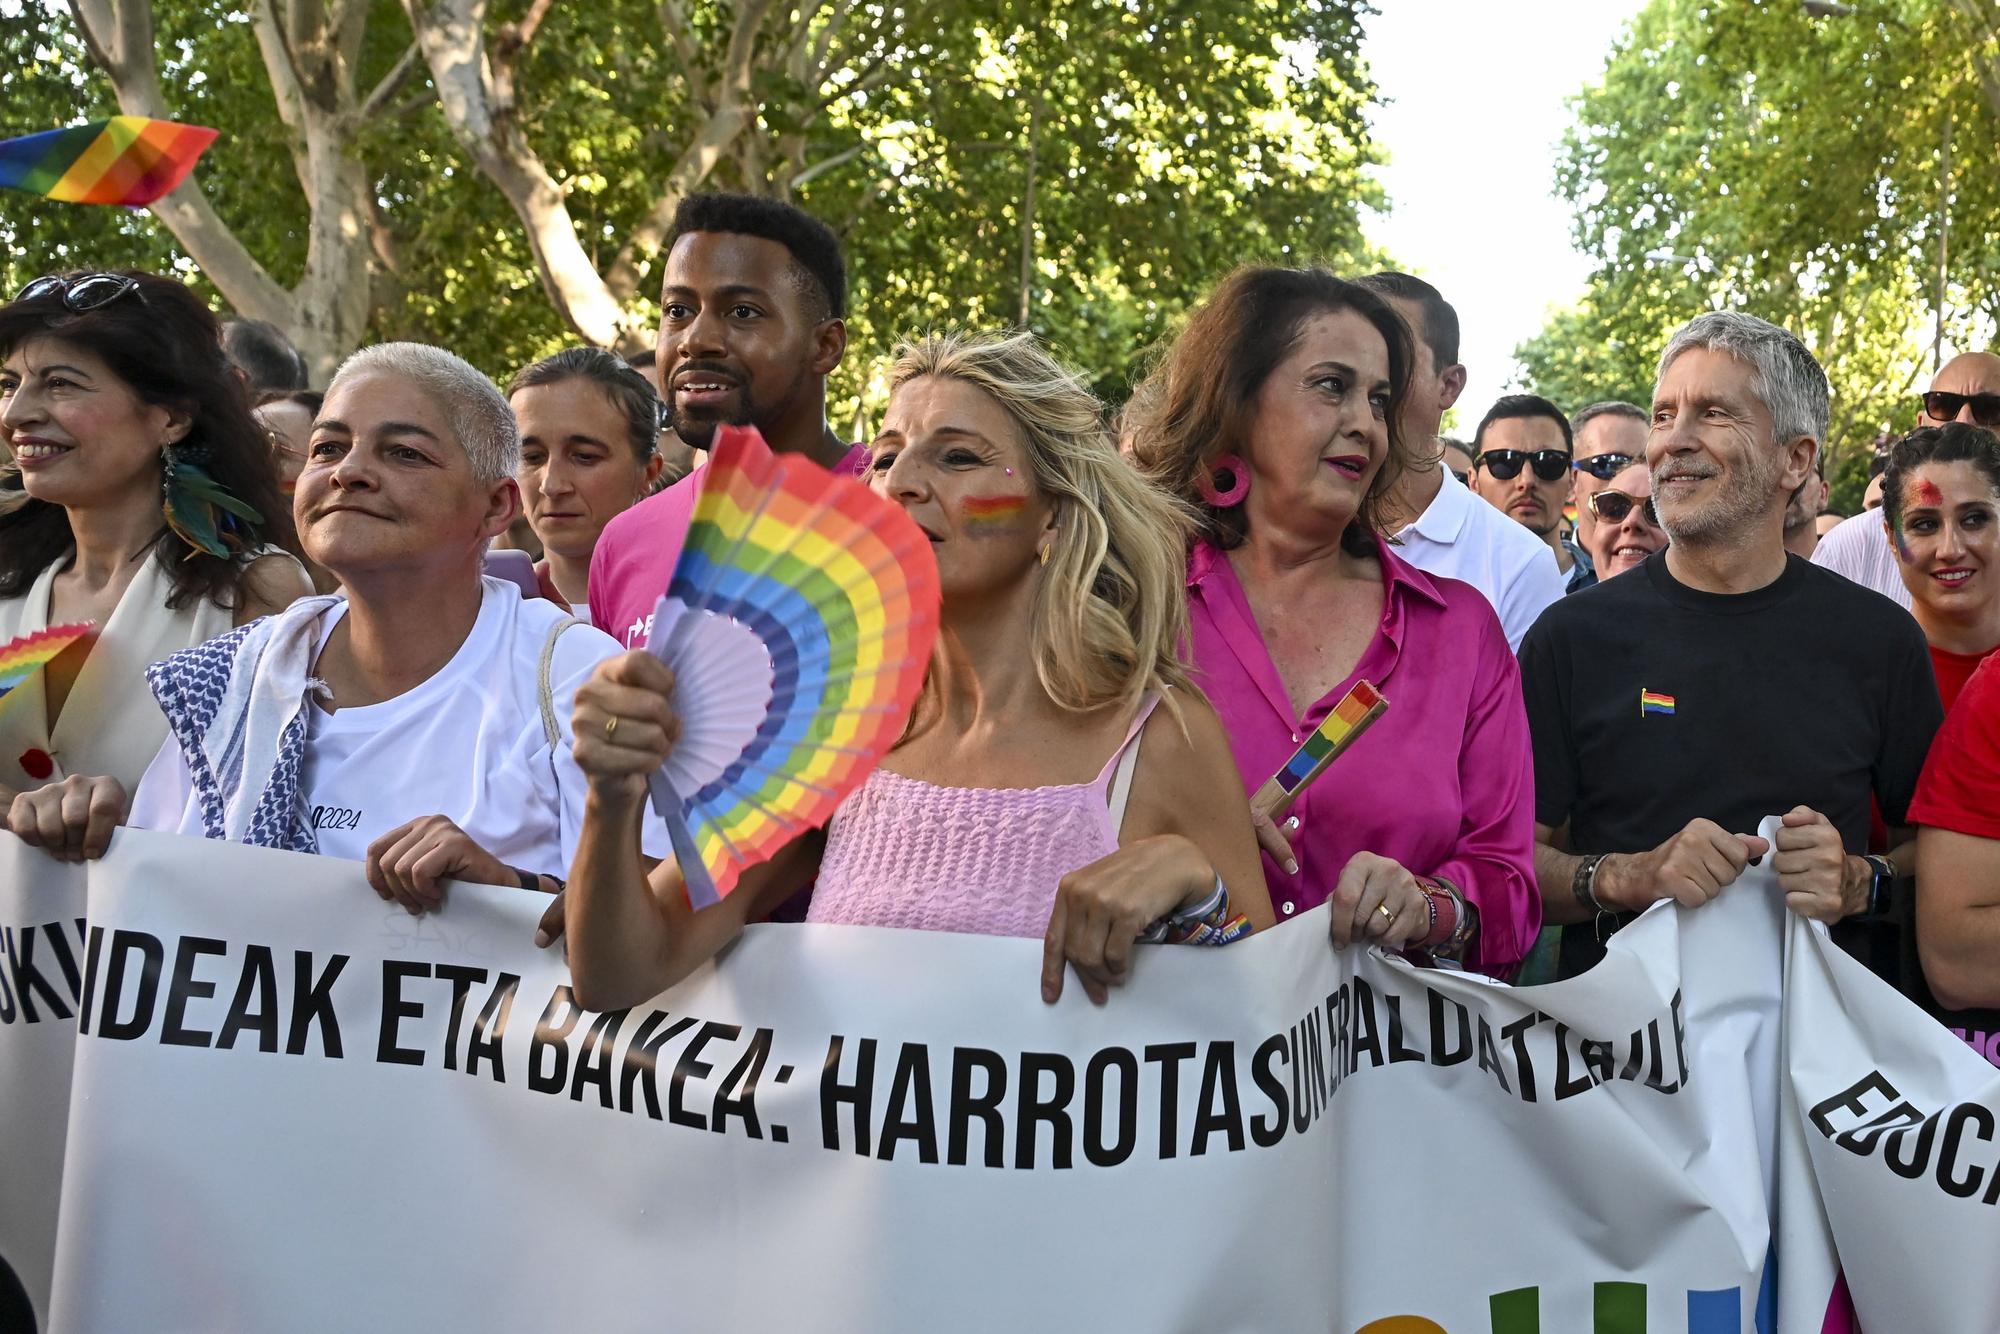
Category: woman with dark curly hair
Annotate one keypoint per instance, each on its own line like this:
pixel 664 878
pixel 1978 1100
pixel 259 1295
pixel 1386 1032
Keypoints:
pixel 139 495
pixel 1941 507
pixel 1275 416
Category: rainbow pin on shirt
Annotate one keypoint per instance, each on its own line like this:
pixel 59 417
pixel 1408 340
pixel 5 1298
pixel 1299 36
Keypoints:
pixel 1356 713
pixel 1652 701
pixel 130 160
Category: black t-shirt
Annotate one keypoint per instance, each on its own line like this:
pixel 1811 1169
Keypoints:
pixel 1652 704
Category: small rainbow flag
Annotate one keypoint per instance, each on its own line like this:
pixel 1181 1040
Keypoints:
pixel 1652 701
pixel 1569 511
pixel 22 658
pixel 125 160
pixel 1357 711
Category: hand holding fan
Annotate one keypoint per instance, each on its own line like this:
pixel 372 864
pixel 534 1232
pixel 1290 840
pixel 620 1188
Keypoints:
pixel 22 658
pixel 799 625
pixel 1356 713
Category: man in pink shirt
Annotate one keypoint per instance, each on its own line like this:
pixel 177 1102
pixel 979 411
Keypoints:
pixel 751 323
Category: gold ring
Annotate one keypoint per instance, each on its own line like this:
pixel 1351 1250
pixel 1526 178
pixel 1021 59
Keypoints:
pixel 1383 908
pixel 610 726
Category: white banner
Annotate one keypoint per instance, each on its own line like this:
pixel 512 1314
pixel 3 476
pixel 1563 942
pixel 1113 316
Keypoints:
pixel 41 971
pixel 297 1108
pixel 1901 1122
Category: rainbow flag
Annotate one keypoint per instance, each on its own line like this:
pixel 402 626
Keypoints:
pixel 1652 701
pixel 125 160
pixel 1353 715
pixel 22 658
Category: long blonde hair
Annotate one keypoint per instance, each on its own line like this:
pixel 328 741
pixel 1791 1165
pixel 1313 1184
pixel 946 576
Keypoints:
pixel 1110 614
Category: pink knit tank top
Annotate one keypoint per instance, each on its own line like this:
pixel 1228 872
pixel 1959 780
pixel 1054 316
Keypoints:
pixel 977 860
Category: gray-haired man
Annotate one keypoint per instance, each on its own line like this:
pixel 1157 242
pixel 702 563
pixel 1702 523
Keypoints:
pixel 1724 680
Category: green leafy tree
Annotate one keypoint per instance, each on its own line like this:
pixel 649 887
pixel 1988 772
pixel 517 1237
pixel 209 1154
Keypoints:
pixel 1814 168
pixel 498 175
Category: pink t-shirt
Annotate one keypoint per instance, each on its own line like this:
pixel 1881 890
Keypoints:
pixel 637 551
pixel 1444 783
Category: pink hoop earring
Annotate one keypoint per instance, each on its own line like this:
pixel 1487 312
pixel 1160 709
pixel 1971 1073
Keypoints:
pixel 1239 482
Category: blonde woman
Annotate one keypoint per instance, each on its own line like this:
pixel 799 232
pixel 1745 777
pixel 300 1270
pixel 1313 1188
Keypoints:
pixel 1061 779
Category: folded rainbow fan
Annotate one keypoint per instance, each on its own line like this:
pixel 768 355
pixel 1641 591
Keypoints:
pixel 799 624
pixel 22 658
pixel 125 160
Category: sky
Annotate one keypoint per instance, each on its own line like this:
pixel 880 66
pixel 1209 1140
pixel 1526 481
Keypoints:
pixel 1475 112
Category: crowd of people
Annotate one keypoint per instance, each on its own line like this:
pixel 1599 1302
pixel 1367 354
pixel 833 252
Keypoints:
pixel 1613 640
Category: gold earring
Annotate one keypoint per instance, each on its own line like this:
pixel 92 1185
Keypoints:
pixel 1045 552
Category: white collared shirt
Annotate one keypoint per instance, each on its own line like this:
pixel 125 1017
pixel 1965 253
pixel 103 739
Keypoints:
pixel 1859 548
pixel 1460 536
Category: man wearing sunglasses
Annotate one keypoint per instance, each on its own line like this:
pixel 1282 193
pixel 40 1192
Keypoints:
pixel 1609 435
pixel 1439 525
pixel 1965 389
pixel 1723 680
pixel 1521 467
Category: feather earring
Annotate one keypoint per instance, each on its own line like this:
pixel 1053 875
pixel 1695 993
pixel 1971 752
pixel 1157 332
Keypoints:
pixel 200 510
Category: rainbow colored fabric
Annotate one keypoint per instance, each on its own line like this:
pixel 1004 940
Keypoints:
pixel 842 588
pixel 23 657
pixel 125 160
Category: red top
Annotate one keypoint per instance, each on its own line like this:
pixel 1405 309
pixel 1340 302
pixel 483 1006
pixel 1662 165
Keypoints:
pixel 1953 671
pixel 1960 789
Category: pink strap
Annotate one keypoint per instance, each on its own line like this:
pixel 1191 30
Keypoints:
pixel 1125 762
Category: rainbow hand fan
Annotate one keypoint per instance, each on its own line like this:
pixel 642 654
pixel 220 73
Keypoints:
pixel 799 624
pixel 22 658
pixel 125 160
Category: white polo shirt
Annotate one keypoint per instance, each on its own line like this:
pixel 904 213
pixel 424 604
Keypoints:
pixel 1859 548
pixel 1460 536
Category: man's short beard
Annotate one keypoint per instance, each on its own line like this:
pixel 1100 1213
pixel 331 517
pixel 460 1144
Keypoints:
pixel 1729 513
pixel 699 433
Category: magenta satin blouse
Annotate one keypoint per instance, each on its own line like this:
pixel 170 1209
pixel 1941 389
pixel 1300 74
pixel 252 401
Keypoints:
pixel 1443 783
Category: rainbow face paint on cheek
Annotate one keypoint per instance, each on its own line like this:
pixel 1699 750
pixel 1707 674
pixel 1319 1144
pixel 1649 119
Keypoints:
pixel 992 516
pixel 1902 547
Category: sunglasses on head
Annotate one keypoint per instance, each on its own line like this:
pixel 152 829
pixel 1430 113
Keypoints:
pixel 1506 464
pixel 85 291
pixel 1943 407
pixel 1612 506
pixel 1604 467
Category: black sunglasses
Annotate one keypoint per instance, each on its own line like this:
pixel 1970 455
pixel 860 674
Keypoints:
pixel 86 291
pixel 1604 467
pixel 1612 507
pixel 1506 464
pixel 1940 406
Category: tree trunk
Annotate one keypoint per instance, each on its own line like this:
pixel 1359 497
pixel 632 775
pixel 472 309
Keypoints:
pixel 313 82
pixel 478 105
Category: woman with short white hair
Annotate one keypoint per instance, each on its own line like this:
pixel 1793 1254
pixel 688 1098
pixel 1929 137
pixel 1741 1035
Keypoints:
pixel 419 722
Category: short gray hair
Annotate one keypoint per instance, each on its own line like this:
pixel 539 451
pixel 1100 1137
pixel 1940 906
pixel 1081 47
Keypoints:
pixel 1610 407
pixel 1788 379
pixel 479 417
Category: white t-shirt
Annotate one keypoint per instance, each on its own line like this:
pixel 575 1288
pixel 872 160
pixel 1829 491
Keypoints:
pixel 1460 536
pixel 1858 547
pixel 467 744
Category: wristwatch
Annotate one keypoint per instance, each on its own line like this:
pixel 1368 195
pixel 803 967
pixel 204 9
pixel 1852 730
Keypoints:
pixel 1881 886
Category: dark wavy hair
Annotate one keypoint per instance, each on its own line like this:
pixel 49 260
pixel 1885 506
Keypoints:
pixel 628 390
pixel 1203 396
pixel 166 346
pixel 1954 442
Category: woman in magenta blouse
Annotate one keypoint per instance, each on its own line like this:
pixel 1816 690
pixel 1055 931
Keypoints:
pixel 1276 417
